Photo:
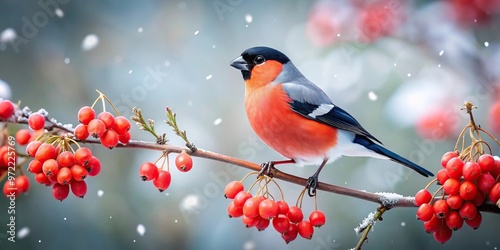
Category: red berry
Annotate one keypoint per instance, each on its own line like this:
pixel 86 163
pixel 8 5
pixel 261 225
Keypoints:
pixel 423 196
pixel 485 182
pixel 66 159
pixel 305 229
pixel 162 181
pixel 184 162
pixel 496 171
pixel 495 194
pixel 107 118
pixel 46 151
pixel 23 137
pixel 479 199
pixel 64 176
pixel 233 188
pixel 454 221
pixel 78 172
pixel 35 166
pixel 32 148
pixel 233 211
pixel 96 128
pixel 122 125
pixel 295 214
pixel 81 132
pixel 262 224
pixel 79 188
pixel 36 121
pixel 282 207
pixel 109 139
pixel 476 222
pixel 451 186
pixel 250 222
pixel 6 109
pixel 447 156
pixel 441 208
pixel 241 198
pixel 50 167
pixel 60 192
pixel 22 183
pixel 291 234
pixel 251 206
pixel 468 190
pixel 454 168
pixel 455 201
pixel 442 176
pixel 494 117
pixel 443 234
pixel 43 179
pixel 83 156
pixel 148 171
pixel 432 225
pixel 94 166
pixel 471 171
pixel 86 114
pixel 425 212
pixel 317 218
pixel 281 223
pixel 124 138
pixel 468 210
pixel 486 162
pixel 268 209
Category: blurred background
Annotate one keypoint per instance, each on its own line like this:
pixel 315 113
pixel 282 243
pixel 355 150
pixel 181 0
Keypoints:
pixel 403 68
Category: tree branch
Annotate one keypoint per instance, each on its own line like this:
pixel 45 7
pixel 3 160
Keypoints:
pixel 388 200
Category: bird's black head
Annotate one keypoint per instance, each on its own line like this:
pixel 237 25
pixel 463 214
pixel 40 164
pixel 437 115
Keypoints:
pixel 257 56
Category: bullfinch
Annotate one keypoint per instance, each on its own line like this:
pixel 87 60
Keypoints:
pixel 297 119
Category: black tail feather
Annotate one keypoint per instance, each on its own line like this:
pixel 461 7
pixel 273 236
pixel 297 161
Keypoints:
pixel 362 140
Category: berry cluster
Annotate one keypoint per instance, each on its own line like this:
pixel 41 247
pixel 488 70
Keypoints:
pixel 261 209
pixel 161 178
pixel 109 129
pixel 465 186
pixel 61 168
pixel 8 156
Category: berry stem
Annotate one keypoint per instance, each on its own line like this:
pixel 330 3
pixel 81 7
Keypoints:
pixel 430 183
pixel 378 216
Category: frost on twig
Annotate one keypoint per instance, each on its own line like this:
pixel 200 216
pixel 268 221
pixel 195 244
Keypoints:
pixel 370 220
pixel 389 199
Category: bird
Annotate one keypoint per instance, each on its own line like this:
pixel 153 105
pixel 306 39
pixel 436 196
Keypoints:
pixel 297 119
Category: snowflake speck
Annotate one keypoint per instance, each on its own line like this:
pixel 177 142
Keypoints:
pixel 208 77
pixel 486 44
pixel 66 60
pixel 23 232
pixel 372 96
pixel 140 29
pixel 90 42
pixel 248 18
pixel 217 121
pixel 196 32
pixel 59 13
pixel 100 193
pixel 441 52
pixel 141 229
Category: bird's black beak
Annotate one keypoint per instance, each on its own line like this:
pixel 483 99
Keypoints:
pixel 240 63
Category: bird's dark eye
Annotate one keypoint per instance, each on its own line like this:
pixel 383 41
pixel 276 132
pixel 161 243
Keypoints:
pixel 259 60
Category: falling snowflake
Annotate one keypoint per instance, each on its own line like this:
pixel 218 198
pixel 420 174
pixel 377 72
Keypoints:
pixel 248 18
pixel 196 32
pixel 372 96
pixel 90 42
pixel 100 193
pixel 59 13
pixel 217 121
pixel 208 77
pixel 8 35
pixel 141 229
pixel 23 232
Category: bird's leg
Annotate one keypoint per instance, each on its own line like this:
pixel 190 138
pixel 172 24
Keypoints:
pixel 312 182
pixel 267 167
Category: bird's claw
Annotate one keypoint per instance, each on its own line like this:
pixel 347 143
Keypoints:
pixel 311 185
pixel 266 169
